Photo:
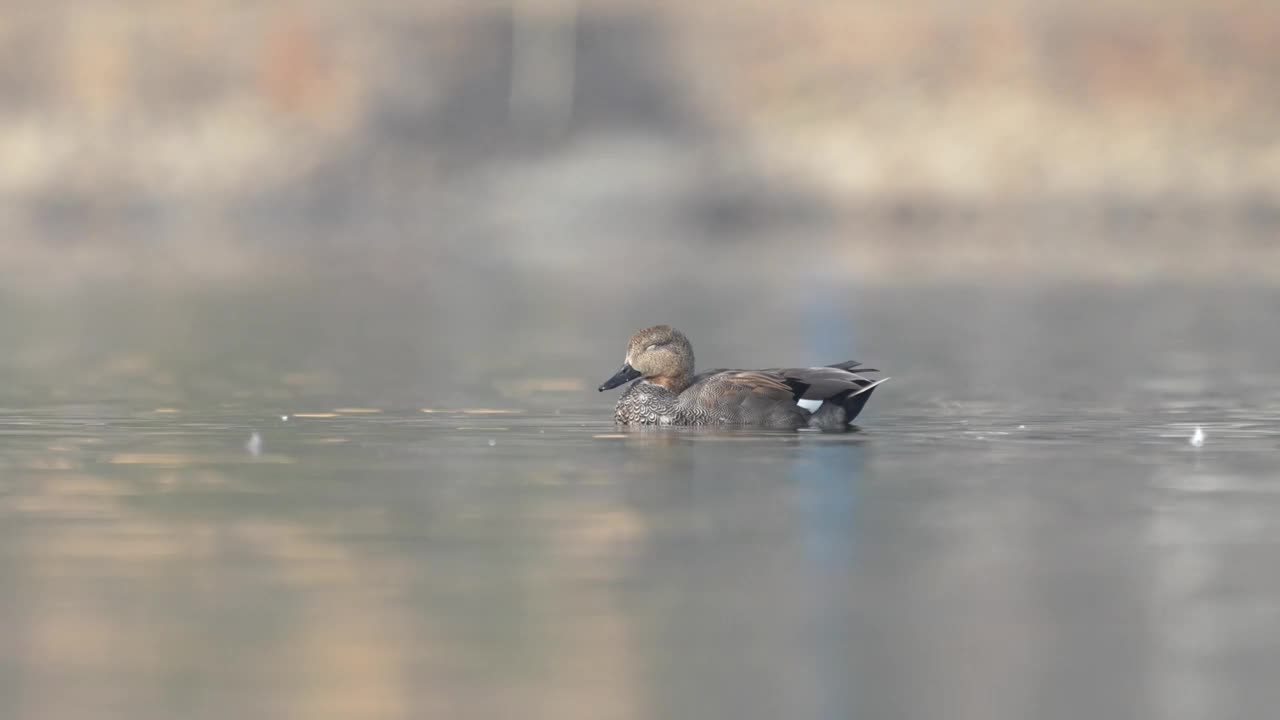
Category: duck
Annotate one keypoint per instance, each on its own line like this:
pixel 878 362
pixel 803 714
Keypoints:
pixel 665 390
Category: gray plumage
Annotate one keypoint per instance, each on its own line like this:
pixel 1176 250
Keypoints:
pixel 668 393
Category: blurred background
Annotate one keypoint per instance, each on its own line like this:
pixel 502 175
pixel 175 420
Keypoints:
pixel 245 244
pixel 335 189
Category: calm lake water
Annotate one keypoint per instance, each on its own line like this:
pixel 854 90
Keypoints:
pixel 1021 528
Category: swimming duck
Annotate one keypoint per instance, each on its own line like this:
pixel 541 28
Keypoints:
pixel 667 392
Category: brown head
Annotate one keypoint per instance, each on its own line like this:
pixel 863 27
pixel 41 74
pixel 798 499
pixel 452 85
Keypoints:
pixel 661 355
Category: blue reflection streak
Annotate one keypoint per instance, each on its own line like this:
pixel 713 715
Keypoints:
pixel 827 479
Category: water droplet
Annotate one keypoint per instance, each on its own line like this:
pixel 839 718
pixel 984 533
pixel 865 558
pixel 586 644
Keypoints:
pixel 254 445
pixel 1197 437
pixel 492 442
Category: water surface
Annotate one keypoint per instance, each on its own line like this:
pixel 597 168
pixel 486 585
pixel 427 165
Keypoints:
pixel 1019 529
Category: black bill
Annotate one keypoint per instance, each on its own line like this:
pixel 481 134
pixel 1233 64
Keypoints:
pixel 626 374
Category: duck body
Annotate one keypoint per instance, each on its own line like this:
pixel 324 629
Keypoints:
pixel 668 393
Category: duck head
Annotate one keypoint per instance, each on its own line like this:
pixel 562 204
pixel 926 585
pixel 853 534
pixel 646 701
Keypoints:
pixel 661 355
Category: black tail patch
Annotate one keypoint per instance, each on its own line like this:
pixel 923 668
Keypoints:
pixel 853 404
pixel 838 411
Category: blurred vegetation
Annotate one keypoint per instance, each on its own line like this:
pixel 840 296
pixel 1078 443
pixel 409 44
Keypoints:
pixel 235 142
